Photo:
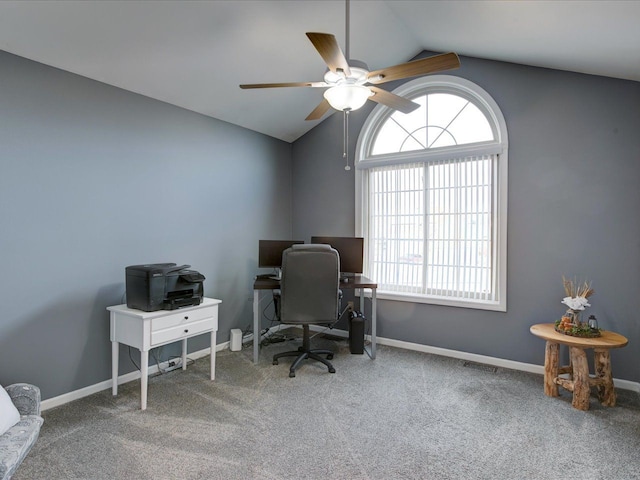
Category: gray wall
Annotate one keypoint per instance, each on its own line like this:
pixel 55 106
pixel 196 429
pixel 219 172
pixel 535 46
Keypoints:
pixel 94 178
pixel 574 171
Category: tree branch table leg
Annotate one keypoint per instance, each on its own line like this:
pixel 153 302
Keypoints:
pixel 570 367
pixel 581 387
pixel 551 354
pixel 606 392
pixel 579 382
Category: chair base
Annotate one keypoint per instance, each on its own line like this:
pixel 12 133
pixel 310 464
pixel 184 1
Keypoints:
pixel 304 353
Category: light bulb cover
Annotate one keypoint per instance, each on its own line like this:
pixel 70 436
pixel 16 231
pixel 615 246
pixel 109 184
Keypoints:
pixel 347 97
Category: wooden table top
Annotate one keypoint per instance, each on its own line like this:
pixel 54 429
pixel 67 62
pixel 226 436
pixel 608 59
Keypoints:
pixel 606 340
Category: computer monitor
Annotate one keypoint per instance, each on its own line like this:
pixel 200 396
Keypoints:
pixel 270 252
pixel 350 250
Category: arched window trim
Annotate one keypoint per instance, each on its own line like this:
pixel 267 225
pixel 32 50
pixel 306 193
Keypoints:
pixel 426 85
pixel 499 147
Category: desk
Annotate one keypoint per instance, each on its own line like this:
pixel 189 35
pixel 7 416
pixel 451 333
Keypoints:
pixel 579 381
pixel 357 282
pixel 147 330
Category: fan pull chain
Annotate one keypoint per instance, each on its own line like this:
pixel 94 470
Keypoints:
pixel 345 146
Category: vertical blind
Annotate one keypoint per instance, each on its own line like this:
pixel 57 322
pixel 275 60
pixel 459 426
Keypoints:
pixel 430 227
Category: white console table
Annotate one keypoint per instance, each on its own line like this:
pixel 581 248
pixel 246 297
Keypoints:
pixel 147 330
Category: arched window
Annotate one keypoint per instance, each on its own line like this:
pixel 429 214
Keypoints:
pixel 431 196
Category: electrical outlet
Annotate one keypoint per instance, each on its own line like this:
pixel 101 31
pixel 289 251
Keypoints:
pixel 173 365
pixel 350 306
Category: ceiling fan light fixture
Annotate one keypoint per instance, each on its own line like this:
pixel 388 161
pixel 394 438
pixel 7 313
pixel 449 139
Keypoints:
pixel 347 97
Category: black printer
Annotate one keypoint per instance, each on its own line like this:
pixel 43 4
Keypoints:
pixel 163 286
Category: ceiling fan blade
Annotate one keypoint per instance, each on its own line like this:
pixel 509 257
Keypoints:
pixel 328 48
pixel 290 84
pixel 319 111
pixel 392 100
pixel 445 61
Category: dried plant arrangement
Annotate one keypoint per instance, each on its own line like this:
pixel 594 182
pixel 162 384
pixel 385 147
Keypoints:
pixel 573 289
pixel 577 295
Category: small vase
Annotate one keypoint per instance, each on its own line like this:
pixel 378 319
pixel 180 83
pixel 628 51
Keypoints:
pixel 575 316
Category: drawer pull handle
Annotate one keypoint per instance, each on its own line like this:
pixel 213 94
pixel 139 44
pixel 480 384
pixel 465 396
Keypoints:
pixel 186 330
pixel 186 317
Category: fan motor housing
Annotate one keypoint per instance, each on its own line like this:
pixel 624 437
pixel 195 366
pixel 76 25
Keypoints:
pixel 359 72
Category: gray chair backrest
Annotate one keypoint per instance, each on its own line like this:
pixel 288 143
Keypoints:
pixel 310 284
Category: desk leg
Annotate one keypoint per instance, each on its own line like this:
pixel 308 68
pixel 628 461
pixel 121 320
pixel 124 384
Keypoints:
pixel 374 313
pixel 606 392
pixel 184 354
pixel 551 353
pixel 581 386
pixel 256 326
pixel 213 354
pixel 144 378
pixel 115 351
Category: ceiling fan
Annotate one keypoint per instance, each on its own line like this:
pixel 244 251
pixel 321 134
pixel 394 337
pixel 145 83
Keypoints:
pixel 349 83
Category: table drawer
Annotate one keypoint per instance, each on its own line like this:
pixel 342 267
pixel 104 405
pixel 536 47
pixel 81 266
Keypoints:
pixel 183 331
pixel 180 318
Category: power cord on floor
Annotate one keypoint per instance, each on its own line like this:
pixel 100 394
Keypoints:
pixel 190 361
pixel 275 337
pixel 245 334
pixel 156 353
pixel 267 336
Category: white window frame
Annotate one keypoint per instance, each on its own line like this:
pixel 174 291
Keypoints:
pixel 498 147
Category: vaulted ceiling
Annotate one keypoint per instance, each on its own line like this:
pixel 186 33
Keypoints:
pixel 195 54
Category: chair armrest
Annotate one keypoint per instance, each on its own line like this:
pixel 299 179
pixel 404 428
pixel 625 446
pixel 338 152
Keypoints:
pixel 25 397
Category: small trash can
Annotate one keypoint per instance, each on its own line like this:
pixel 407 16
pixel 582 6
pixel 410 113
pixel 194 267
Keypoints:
pixel 235 342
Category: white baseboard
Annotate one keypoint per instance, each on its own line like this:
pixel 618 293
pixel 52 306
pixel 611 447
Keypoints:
pixel 128 377
pixel 497 362
pixel 472 357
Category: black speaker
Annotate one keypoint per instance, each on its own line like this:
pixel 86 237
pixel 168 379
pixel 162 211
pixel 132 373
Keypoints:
pixel 356 332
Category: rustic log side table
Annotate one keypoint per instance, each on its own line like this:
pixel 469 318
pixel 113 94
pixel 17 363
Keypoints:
pixel 579 381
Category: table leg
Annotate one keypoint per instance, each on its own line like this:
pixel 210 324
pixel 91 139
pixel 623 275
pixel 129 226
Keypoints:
pixel 581 387
pixel 359 292
pixel 374 313
pixel 144 378
pixel 115 351
pixel 551 353
pixel 570 367
pixel 213 354
pixel 184 354
pixel 606 392
pixel 256 326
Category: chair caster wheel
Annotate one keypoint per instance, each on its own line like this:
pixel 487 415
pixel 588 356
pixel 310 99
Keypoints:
pixel 332 370
pixel 330 356
pixel 275 362
pixel 292 374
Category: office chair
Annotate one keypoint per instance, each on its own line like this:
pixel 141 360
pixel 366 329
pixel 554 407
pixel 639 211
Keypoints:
pixel 309 294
